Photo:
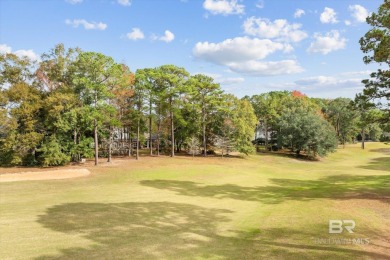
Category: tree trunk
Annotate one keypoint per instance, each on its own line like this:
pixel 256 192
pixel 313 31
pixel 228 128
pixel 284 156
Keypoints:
pixel 158 142
pixel 95 131
pixel 77 156
pixel 257 143
pixel 137 151
pixel 266 134
pixel 150 127
pixel 109 145
pixel 131 146
pixel 177 146
pixel 363 139
pixel 158 131
pixel 204 133
pixel 75 136
pixel 172 130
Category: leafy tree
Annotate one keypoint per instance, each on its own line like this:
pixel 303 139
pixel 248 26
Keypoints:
pixel 187 121
pixel 65 114
pixel 363 106
pixel 376 45
pixel 124 103
pixel 207 97
pixel 238 122
pixel 147 81
pixel 171 81
pixel 57 68
pixel 343 118
pixel 52 153
pixel 305 131
pixel 95 75
pixel 21 109
pixel 141 86
pixel 193 145
pixel 26 131
pixel 15 70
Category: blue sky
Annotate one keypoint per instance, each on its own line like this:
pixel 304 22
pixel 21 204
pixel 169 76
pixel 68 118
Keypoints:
pixel 250 47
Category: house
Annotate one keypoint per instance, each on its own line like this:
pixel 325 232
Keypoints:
pixel 260 134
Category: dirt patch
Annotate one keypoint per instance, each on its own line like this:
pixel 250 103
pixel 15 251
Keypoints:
pixel 44 175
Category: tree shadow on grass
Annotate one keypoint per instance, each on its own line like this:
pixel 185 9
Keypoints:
pixel 164 230
pixel 381 150
pixel 333 187
pixel 291 155
pixel 379 164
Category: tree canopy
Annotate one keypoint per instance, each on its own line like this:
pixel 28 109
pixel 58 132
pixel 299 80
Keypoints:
pixel 375 44
pixel 74 104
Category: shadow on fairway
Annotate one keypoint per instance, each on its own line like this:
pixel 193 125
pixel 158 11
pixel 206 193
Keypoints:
pixel 379 164
pixel 164 230
pixel 333 187
pixel 381 150
pixel 289 155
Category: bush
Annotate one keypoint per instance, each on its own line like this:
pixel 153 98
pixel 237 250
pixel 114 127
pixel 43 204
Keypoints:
pixel 51 153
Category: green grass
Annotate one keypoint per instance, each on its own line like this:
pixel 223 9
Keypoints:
pixel 265 206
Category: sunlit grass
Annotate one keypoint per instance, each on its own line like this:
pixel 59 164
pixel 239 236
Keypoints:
pixel 260 206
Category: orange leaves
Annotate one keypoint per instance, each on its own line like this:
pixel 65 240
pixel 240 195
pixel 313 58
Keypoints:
pixel 297 93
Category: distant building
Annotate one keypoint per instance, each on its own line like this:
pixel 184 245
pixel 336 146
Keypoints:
pixel 260 134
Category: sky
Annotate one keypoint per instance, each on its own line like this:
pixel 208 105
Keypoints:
pixel 249 47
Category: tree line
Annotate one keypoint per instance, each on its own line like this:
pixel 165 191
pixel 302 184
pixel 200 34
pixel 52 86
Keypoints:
pixel 71 104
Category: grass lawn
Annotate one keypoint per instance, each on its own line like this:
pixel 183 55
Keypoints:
pixel 264 206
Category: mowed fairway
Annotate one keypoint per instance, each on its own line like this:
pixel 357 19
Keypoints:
pixel 263 206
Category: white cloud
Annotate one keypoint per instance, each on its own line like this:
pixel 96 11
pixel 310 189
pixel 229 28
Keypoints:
pixel 365 73
pixel 87 25
pixel 4 49
pixel 135 34
pixel 344 84
pixel 242 55
pixel 260 4
pixel 347 22
pixel 330 87
pixel 318 80
pixel 328 16
pixel 27 53
pixel 237 50
pixel 327 43
pixel 73 2
pixel 359 13
pixel 124 2
pixel 218 78
pixel 224 7
pixel 168 36
pixel 279 29
pixel 266 68
pixel 298 13
pixel 230 81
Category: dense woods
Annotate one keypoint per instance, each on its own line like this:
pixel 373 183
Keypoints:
pixel 74 104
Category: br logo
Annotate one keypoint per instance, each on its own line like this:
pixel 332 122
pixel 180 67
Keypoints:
pixel 336 226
